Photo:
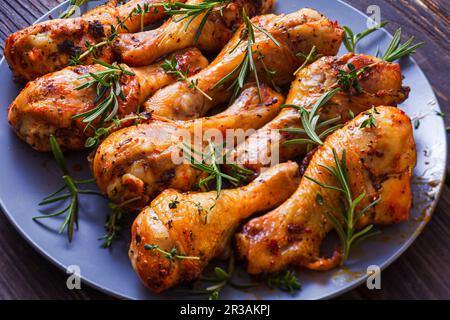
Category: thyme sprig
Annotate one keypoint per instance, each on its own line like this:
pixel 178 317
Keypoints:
pixel 71 185
pixel 310 121
pixel 285 281
pixel 370 122
pixel 351 40
pixel 349 80
pixel 396 50
pixel 171 255
pixel 345 223
pixel 171 67
pixel 72 8
pixel 312 56
pixel 247 65
pixel 109 91
pixel 210 163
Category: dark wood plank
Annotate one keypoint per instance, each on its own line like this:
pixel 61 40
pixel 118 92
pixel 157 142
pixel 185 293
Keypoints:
pixel 421 273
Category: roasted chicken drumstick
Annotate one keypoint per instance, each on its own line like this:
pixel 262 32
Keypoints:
pixel 47 105
pixel 380 160
pixel 48 46
pixel 182 228
pixel 136 162
pixel 295 33
pixel 381 84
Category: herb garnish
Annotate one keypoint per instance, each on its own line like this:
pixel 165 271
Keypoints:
pixel 72 7
pixel 72 186
pixel 247 65
pixel 350 40
pixel 312 56
pixel 396 50
pixel 370 121
pixel 109 91
pixel 170 66
pixel 349 80
pixel 286 281
pixel 310 122
pixel 348 214
pixel 169 255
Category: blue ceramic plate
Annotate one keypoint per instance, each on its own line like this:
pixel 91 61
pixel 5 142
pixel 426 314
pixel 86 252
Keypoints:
pixel 27 176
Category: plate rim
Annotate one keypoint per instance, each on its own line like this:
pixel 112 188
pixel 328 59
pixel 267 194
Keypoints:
pixel 332 294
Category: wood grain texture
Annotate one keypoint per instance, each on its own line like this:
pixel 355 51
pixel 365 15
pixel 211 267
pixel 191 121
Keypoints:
pixel 422 272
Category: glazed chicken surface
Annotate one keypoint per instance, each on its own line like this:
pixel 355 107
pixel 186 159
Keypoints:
pixel 48 46
pixel 47 105
pixel 381 84
pixel 380 161
pixel 183 227
pixel 296 32
pixel 145 47
pixel 136 162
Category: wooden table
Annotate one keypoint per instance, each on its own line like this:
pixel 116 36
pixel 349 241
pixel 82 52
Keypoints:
pixel 422 272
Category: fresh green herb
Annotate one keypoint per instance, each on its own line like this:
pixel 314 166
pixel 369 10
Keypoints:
pixel 351 40
pixel 142 11
pixel 169 255
pixel 72 186
pixel 349 80
pixel 171 67
pixel 72 8
pixel 174 203
pixel 349 216
pixel 210 163
pixel 269 73
pixel 370 122
pixel 192 11
pixel 312 56
pixel 102 132
pixel 247 65
pixel 416 124
pixel 440 114
pixel 114 221
pixel 310 122
pixel 396 50
pixel 286 281
pixel 109 91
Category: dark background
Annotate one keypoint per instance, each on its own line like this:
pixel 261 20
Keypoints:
pixel 422 272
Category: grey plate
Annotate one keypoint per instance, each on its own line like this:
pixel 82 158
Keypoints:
pixel 27 176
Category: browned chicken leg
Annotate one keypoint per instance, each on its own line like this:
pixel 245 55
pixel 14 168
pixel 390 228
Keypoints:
pixel 296 32
pixel 46 106
pixel 381 84
pixel 48 46
pixel 137 161
pixel 182 230
pixel 145 47
pixel 380 161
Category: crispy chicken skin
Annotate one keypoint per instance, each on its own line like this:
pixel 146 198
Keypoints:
pixel 380 161
pixel 381 85
pixel 137 161
pixel 46 105
pixel 47 46
pixel 145 47
pixel 185 228
pixel 296 32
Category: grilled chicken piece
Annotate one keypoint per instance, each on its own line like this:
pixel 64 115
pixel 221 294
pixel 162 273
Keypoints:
pixel 47 105
pixel 381 85
pixel 380 162
pixel 145 47
pixel 296 32
pixel 48 46
pixel 183 227
pixel 137 162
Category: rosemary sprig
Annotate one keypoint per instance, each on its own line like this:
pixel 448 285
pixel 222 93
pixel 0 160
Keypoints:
pixel 114 221
pixel 349 216
pixel 310 122
pixel 370 122
pixel 171 255
pixel 350 40
pixel 312 56
pixel 286 281
pixel 396 50
pixel 210 163
pixel 247 65
pixel 171 67
pixel 102 132
pixel 72 186
pixel 349 80
pixel 109 91
pixel 71 9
